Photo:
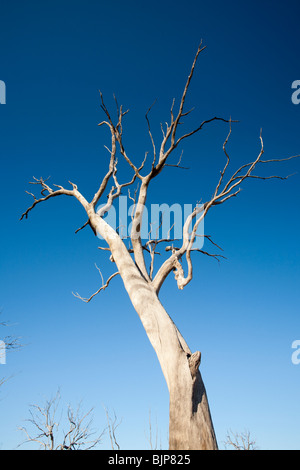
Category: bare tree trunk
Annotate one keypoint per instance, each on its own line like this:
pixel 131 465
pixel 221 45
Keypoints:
pixel 190 424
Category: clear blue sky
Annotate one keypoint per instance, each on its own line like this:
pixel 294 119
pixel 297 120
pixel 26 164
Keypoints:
pixel 243 314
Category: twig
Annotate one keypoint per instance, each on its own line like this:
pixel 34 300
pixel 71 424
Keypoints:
pixel 103 287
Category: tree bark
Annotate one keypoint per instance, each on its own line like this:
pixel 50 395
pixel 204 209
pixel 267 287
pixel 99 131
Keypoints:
pixel 190 424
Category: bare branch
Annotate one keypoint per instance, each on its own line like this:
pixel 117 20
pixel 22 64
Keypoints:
pixel 227 160
pixel 237 178
pixel 83 226
pixel 45 188
pixel 179 115
pixel 133 199
pixel 112 425
pixel 135 234
pixel 115 191
pixel 213 255
pixel 199 128
pixel 240 441
pixel 109 173
pixel 275 160
pixel 150 133
pixel 117 131
pixel 178 164
pixel 173 263
pixel 153 446
pixel 208 237
pixel 103 287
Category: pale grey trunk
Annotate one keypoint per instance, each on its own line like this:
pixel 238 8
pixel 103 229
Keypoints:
pixel 190 424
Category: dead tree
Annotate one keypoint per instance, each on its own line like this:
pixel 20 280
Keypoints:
pixel 240 441
pixel 190 423
pixel 45 428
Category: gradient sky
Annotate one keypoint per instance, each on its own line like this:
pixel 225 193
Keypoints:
pixel 242 314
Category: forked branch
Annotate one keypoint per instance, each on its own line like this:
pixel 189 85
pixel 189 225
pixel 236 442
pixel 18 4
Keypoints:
pixel 47 192
pixel 103 287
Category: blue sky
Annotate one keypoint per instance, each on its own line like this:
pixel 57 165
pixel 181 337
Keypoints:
pixel 242 314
